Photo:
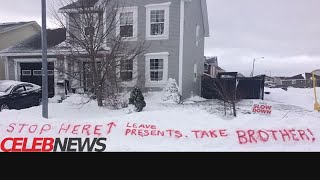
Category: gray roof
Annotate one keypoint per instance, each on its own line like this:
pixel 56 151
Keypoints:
pixel 300 76
pixel 33 43
pixel 219 68
pixel 212 60
pixel 13 25
pixel 80 4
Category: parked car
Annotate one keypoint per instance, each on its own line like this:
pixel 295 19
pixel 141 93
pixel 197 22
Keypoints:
pixel 19 95
pixel 284 87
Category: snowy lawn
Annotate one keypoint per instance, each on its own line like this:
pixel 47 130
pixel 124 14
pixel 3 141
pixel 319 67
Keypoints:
pixel 196 125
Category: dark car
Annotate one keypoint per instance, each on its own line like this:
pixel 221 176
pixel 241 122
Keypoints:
pixel 19 95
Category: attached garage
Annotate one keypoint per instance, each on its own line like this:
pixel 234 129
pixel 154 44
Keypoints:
pixel 32 73
pixel 24 60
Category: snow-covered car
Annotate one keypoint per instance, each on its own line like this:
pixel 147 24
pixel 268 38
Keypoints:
pixel 19 95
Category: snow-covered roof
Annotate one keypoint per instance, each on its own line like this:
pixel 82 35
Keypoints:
pixel 79 4
pixel 33 44
pixel 9 26
pixel 316 72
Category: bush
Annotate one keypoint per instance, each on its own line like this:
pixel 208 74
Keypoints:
pixel 115 102
pixel 171 92
pixel 137 99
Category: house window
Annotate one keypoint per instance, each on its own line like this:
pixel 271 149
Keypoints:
pixel 157 22
pixel 26 72
pixel 126 70
pixel 157 18
pixel 127 27
pixel 37 72
pixel 126 24
pixel 50 73
pixel 89 31
pixel 88 24
pixel 156 69
pixel 294 81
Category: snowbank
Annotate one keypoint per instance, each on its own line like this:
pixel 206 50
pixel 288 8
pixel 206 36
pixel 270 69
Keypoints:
pixel 199 126
pixel 294 96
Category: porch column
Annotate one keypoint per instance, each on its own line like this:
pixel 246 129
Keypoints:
pixel 60 84
pixel 6 68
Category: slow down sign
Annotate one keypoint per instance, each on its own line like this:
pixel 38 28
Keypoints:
pixel 262 109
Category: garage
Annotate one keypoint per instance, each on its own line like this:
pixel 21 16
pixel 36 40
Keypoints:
pixel 31 72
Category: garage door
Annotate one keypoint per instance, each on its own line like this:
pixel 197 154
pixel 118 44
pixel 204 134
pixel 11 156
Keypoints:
pixel 31 72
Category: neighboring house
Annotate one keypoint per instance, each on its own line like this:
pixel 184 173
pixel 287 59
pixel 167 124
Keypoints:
pixel 273 81
pixel 309 80
pixel 12 33
pixel 302 80
pixel 297 81
pixel 277 80
pixel 176 30
pixel 211 67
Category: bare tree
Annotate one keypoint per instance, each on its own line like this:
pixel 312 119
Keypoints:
pixel 97 56
pixel 227 95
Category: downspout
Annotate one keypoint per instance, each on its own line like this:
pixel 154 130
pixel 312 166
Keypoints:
pixel 181 45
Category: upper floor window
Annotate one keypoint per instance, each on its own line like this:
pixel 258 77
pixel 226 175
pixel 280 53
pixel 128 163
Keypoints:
pixel 88 22
pixel 127 26
pixel 157 18
pixel 157 22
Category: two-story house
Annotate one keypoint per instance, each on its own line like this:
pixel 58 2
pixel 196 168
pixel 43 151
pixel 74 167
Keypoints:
pixel 175 30
pixel 12 33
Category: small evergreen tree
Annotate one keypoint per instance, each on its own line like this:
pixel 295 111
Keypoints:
pixel 171 92
pixel 137 99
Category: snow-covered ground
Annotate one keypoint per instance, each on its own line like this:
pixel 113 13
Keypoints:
pixel 196 125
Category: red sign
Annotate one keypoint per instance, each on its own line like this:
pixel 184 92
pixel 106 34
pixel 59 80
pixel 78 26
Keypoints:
pixel 262 109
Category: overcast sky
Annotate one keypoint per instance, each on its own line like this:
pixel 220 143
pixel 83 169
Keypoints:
pixel 285 32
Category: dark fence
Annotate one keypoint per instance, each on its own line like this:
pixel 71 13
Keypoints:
pixel 245 88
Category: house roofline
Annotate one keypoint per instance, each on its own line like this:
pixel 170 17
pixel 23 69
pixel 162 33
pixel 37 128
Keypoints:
pixel 52 53
pixel 34 23
pixel 24 54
